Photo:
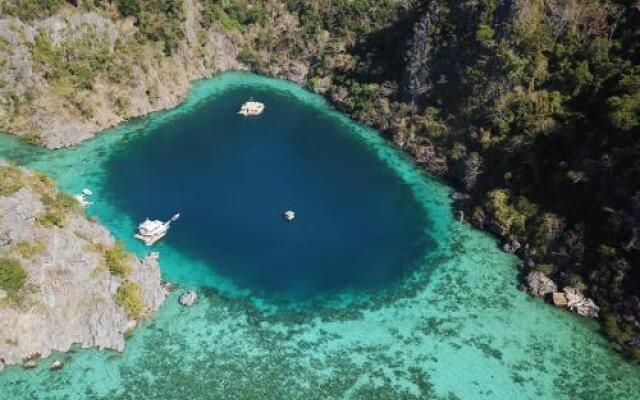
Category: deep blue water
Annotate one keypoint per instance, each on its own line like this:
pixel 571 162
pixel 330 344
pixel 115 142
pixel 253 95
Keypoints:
pixel 357 224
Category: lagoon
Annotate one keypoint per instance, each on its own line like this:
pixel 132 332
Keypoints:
pixel 374 291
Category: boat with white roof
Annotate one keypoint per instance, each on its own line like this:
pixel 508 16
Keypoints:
pixel 251 107
pixel 151 231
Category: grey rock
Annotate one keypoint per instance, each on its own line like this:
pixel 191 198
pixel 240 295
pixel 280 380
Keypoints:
pixel 457 196
pixel 511 246
pixel 56 365
pixel 539 285
pixel 580 304
pixel 559 299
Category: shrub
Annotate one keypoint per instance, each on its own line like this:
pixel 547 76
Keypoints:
pixel 615 330
pixel 12 275
pixel 29 250
pixel 128 297
pixel 57 209
pixel 546 269
pixel 10 181
pixel 30 9
pixel 117 260
pixel 51 218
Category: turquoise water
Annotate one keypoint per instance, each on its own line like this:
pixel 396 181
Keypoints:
pixel 454 326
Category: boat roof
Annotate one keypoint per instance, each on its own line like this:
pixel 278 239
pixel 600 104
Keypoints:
pixel 148 224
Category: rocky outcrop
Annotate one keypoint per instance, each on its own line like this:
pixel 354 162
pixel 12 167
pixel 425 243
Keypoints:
pixel 539 285
pixel 188 299
pixel 68 297
pixel 575 301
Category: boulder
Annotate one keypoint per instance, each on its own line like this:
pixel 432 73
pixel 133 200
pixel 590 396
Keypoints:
pixel 585 307
pixel 457 196
pixel 571 290
pixel 511 246
pixel 579 303
pixel 188 299
pixel 539 285
pixel 29 364
pixel 559 299
pixel 56 365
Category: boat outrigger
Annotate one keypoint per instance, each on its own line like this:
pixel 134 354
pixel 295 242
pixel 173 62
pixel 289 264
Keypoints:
pixel 152 231
pixel 251 108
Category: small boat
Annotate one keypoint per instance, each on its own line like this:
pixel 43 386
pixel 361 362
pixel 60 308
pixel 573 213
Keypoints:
pixel 289 215
pixel 251 108
pixel 152 231
pixel 82 197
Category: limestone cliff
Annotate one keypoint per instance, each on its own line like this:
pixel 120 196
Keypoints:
pixel 57 89
pixel 69 292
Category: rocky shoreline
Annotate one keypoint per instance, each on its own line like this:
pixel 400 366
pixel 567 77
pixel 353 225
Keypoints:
pixel 70 294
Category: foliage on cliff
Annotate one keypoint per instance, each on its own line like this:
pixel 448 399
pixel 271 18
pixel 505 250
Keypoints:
pixel 128 297
pixel 12 275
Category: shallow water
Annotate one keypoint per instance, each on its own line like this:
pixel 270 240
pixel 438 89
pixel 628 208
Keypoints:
pixel 453 326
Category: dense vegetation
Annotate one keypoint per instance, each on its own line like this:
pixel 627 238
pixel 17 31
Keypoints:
pixel 530 107
pixel 12 275
pixel 128 297
pixel 117 260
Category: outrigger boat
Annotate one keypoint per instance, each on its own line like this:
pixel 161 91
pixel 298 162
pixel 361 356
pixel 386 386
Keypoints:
pixel 82 197
pixel 251 108
pixel 152 231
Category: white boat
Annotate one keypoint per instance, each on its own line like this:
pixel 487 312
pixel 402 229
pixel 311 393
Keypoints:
pixel 151 231
pixel 289 215
pixel 251 108
pixel 82 197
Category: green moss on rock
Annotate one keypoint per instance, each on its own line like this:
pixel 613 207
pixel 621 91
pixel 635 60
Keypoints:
pixel 12 275
pixel 129 297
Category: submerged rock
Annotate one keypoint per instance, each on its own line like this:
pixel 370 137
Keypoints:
pixel 188 299
pixel 29 364
pixel 539 285
pixel 56 365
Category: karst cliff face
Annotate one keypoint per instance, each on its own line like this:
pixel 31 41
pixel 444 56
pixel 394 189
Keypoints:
pixel 69 286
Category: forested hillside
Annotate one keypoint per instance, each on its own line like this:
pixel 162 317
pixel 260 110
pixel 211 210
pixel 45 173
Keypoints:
pixel 531 107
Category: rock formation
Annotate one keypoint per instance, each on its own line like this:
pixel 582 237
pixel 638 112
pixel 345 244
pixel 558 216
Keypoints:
pixel 69 295
pixel 575 301
pixel 188 299
pixel 539 285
